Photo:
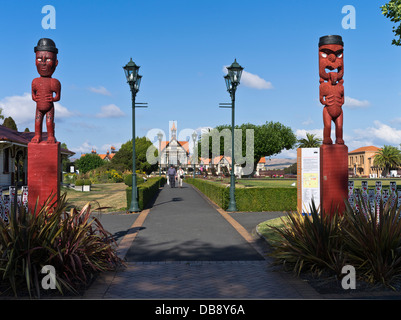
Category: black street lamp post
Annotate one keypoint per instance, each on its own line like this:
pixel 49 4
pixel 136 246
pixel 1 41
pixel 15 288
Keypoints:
pixel 232 80
pixel 134 81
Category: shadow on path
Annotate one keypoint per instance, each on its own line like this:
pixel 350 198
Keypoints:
pixel 182 225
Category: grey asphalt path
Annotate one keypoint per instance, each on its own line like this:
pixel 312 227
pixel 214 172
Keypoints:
pixel 183 226
pixel 186 249
pixel 116 223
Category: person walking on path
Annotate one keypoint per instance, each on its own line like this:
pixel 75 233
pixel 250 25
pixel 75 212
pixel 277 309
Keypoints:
pixel 180 176
pixel 171 172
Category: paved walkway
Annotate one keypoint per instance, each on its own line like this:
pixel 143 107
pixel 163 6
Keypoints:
pixel 185 247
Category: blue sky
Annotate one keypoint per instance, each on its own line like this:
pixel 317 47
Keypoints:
pixel 182 48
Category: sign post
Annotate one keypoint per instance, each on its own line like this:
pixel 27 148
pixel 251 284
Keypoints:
pixel 308 178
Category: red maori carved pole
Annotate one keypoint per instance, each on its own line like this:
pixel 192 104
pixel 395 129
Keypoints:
pixel 333 157
pixel 331 72
pixel 44 157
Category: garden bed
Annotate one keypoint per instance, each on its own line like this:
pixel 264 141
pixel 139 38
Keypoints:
pixel 307 251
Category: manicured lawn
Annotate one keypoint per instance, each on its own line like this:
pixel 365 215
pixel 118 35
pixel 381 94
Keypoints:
pixel 268 233
pixel 268 183
pixel 292 183
pixel 372 182
pixel 101 195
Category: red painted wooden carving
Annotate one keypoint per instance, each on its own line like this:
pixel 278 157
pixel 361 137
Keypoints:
pixel 331 72
pixel 45 90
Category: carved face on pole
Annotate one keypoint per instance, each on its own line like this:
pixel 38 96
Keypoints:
pixel 46 63
pixel 331 59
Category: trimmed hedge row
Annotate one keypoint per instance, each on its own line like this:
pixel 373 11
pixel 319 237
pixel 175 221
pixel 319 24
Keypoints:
pixel 219 194
pixel 146 191
pixel 249 199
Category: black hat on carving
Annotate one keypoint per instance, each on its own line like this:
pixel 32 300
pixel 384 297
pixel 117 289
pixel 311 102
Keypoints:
pixel 330 40
pixel 46 44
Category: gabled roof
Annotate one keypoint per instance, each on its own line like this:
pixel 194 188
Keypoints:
pixel 262 160
pixel 216 160
pixel 366 149
pixel 11 135
pixel 204 160
pixel 184 144
pixel 23 138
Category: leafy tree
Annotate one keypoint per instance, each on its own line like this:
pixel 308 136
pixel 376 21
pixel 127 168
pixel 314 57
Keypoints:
pixel 89 162
pixel 269 139
pixel 388 157
pixel 310 141
pixel 123 157
pixel 10 123
pixel 392 10
pixel 292 169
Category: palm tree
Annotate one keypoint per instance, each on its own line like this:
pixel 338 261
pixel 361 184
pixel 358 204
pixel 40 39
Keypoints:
pixel 388 157
pixel 310 142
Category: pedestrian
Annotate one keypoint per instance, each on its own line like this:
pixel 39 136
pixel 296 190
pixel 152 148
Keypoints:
pixel 180 176
pixel 171 176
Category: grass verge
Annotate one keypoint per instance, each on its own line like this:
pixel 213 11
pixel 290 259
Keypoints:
pixel 111 195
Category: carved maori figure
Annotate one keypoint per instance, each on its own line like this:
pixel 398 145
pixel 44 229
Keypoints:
pixel 331 89
pixel 45 89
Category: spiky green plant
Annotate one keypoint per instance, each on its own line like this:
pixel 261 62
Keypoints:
pixel 373 240
pixel 310 242
pixel 74 243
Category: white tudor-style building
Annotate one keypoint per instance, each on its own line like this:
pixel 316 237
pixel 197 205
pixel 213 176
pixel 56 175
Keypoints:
pixel 174 152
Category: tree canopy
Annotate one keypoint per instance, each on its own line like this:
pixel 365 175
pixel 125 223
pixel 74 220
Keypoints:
pixel 392 10
pixel 311 141
pixel 388 157
pixel 89 162
pixel 10 123
pixel 268 139
pixel 124 156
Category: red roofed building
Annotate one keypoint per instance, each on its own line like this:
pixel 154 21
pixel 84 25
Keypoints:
pixel 107 156
pixel 360 162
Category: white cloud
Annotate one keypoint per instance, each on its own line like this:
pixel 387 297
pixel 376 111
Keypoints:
pixel 381 132
pixel 100 90
pixel 110 111
pixel 307 121
pixel 85 147
pixel 108 146
pixel 355 103
pixel 301 133
pixel 61 111
pixel 253 81
pixel 22 109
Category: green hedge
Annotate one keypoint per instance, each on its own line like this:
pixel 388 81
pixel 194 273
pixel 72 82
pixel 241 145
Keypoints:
pixel 146 191
pixel 249 199
pixel 83 182
pixel 128 180
pixel 219 194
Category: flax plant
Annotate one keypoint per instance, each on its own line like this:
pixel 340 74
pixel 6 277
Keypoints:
pixel 373 240
pixel 310 242
pixel 74 243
